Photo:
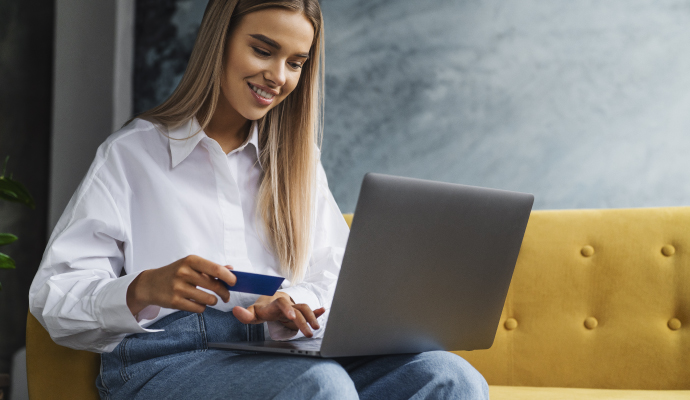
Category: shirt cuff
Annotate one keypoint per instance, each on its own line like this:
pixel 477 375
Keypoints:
pixel 302 295
pixel 114 315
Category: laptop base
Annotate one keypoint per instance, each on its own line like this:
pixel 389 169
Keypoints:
pixel 299 347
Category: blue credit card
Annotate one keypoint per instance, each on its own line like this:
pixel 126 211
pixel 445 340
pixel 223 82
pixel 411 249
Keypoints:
pixel 248 282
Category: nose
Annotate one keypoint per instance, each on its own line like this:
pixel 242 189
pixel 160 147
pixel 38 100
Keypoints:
pixel 276 73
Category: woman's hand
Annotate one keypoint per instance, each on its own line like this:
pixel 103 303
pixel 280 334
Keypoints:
pixel 280 307
pixel 175 286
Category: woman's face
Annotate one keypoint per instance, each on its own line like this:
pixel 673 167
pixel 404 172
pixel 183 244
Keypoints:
pixel 265 54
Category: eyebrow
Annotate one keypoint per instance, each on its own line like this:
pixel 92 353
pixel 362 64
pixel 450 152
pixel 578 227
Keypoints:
pixel 274 44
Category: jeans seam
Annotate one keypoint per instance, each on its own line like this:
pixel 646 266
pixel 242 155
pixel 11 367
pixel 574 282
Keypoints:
pixel 125 361
pixel 202 331
pixel 107 389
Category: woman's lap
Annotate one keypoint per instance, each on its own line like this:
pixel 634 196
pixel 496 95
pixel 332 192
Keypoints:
pixel 180 365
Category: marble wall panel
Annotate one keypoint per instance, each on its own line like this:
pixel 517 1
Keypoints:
pixel 585 104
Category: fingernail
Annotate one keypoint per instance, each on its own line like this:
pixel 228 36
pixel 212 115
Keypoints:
pixel 291 314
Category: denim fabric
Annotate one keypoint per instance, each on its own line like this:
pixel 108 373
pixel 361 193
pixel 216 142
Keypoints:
pixel 177 364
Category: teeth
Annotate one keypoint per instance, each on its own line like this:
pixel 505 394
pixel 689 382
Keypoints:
pixel 261 92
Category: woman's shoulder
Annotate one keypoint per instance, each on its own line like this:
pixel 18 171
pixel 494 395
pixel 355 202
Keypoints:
pixel 135 137
pixel 134 130
pixel 138 146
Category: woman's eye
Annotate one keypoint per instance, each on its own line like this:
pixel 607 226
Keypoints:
pixel 296 66
pixel 261 52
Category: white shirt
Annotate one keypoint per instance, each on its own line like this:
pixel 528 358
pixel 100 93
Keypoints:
pixel 148 201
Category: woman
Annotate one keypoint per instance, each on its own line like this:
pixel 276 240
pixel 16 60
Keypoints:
pixel 223 175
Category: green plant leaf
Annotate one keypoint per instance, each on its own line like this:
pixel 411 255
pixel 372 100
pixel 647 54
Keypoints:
pixel 14 191
pixel 6 262
pixel 7 238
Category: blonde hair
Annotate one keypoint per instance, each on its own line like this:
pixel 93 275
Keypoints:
pixel 289 134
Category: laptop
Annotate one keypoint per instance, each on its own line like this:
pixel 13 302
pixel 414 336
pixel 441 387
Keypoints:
pixel 427 267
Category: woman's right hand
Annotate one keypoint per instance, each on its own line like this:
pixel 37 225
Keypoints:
pixel 175 285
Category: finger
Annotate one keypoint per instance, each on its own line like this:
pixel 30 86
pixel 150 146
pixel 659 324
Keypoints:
pixel 285 308
pixel 199 296
pixel 206 282
pixel 278 309
pixel 308 315
pixel 319 311
pixel 212 269
pixel 187 305
pixel 302 324
pixel 244 315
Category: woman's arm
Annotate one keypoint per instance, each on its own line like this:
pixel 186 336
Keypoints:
pixel 80 293
pixel 77 293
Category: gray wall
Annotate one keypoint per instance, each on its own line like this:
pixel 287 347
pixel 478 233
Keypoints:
pixel 586 104
pixel 92 93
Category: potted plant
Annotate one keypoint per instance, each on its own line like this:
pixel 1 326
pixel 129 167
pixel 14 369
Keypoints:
pixel 15 192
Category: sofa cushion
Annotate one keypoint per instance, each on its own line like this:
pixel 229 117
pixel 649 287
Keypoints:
pixel 599 299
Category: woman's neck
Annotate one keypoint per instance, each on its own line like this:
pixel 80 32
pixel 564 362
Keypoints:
pixel 228 127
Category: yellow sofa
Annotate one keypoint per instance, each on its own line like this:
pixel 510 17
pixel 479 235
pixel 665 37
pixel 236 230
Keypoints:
pixel 598 308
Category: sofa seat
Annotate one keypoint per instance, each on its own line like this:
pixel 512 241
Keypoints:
pixel 551 393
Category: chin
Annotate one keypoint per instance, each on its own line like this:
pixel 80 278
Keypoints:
pixel 254 114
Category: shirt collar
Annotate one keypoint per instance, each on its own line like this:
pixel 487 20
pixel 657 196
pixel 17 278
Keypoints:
pixel 182 143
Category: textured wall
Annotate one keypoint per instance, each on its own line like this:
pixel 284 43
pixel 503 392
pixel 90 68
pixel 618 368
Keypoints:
pixel 583 103
pixel 26 59
pixel 164 36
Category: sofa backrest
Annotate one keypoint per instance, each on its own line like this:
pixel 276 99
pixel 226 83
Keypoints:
pixel 599 299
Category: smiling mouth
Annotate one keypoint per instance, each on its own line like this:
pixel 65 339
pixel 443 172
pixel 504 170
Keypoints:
pixel 260 92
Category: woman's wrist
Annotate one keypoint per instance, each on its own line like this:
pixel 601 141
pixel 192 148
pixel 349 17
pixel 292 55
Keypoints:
pixel 134 291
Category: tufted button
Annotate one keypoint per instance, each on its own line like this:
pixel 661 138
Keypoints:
pixel 674 324
pixel 587 251
pixel 591 322
pixel 510 324
pixel 668 250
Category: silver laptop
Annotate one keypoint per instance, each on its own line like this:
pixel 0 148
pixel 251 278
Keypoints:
pixel 427 267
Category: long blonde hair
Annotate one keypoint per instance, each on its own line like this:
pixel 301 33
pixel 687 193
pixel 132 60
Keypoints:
pixel 289 134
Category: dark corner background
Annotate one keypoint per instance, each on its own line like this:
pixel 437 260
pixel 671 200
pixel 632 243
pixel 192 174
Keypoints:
pixel 26 68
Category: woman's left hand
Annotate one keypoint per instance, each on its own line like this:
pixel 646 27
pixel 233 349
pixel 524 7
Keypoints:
pixel 280 307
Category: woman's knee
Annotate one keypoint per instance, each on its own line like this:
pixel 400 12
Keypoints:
pixel 452 376
pixel 323 379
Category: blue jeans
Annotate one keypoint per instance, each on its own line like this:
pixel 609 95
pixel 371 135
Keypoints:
pixel 177 364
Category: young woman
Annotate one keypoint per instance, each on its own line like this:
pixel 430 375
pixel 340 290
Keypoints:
pixel 223 175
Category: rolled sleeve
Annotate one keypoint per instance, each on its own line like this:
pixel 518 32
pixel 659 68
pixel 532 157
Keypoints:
pixel 113 313
pixel 78 293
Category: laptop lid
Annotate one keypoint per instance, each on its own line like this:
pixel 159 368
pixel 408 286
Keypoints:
pixel 427 267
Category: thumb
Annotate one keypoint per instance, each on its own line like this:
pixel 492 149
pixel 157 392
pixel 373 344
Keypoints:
pixel 244 315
